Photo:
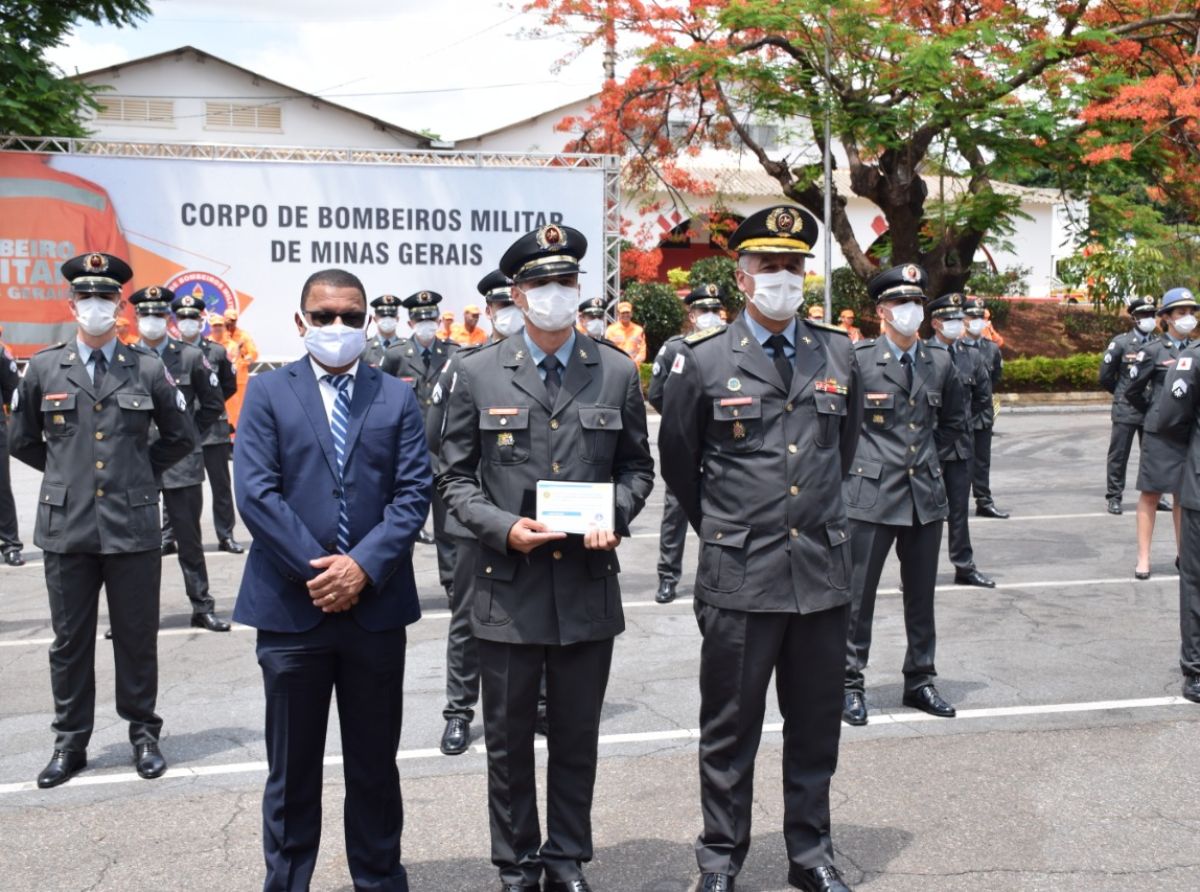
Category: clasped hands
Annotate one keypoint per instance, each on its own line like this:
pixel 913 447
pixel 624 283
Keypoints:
pixel 337 588
pixel 527 534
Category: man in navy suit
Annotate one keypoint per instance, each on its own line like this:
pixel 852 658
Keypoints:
pixel 333 480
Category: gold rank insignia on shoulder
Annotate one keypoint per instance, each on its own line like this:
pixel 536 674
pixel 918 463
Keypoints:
pixel 830 385
pixel 739 431
pixel 505 439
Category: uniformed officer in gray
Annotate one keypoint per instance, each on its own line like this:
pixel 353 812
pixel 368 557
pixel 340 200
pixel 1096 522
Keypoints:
pixel 760 422
pixel 1119 355
pixel 913 409
pixel 386 310
pixel 10 537
pixel 217 444
pixel 946 318
pixel 1179 417
pixel 983 424
pixel 82 416
pixel 704 308
pixel 182 484
pixel 418 361
pixel 549 404
pixel 506 317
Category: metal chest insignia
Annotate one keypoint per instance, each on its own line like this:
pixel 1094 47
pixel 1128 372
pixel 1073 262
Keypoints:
pixel 57 419
pixel 739 431
pixel 505 438
pixel 877 418
pixel 733 384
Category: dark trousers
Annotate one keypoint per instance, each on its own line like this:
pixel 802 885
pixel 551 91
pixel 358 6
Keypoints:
pixel 1120 442
pixel 10 537
pixel 672 535
pixel 957 477
pixel 183 507
pixel 917 547
pixel 576 677
pixel 131 584
pixel 462 653
pixel 981 475
pixel 300 672
pixel 1189 593
pixel 739 653
pixel 216 469
pixel 443 543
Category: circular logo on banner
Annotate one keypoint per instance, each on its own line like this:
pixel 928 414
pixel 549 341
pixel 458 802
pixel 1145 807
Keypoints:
pixel 207 288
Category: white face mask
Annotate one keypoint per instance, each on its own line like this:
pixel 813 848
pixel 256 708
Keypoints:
pixel 906 318
pixel 152 327
pixel 952 329
pixel 508 320
pixel 386 325
pixel 778 295
pixel 1146 324
pixel 596 328
pixel 188 328
pixel 335 346
pixel 425 331
pixel 709 320
pixel 96 315
pixel 976 327
pixel 552 306
pixel 1185 324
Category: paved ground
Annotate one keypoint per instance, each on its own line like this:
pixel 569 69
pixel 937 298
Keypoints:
pixel 1072 765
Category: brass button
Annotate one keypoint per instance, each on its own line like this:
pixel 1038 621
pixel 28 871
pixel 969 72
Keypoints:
pixel 833 407
pixel 858 470
pixel 788 407
pixel 912 448
pixel 795 533
pixel 136 403
pixel 57 404
pixel 841 534
pixel 45 498
pixel 487 569
pixel 795 490
pixel 912 425
pixel 99 406
pixel 912 471
pixel 719 536
pixel 99 466
pixel 503 422
pixel 558 555
pixel 737 413
pixel 604 421
pixel 912 402
pixel 553 424
pixel 99 435
pixel 554 467
pixel 99 493
pixel 792 448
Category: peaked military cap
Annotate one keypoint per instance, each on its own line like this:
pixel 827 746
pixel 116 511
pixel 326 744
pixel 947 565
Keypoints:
pixel 898 282
pixel 782 229
pixel 974 306
pixel 386 305
pixel 948 306
pixel 189 306
pixel 422 305
pixel 593 306
pixel 495 288
pixel 705 296
pixel 1176 298
pixel 152 300
pixel 1141 305
pixel 548 251
pixel 96 273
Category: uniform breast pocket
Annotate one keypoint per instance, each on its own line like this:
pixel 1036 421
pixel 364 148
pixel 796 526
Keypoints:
pixel 722 554
pixel 135 412
pixel 60 417
pixel 52 509
pixel 143 511
pixel 862 484
pixel 737 423
pixel 601 425
pixel 504 435
pixel 934 398
pixel 879 410
pixel 939 486
pixel 831 409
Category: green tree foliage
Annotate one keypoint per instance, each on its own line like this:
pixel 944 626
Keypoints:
pixel 722 271
pixel 36 99
pixel 658 309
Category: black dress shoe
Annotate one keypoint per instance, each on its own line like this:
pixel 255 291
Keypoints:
pixel 14 559
pixel 1141 574
pixel 990 510
pixel 231 545
pixel 973 577
pixel 149 761
pixel 817 879
pixel 1191 688
pixel 578 885
pixel 927 699
pixel 714 882
pixel 457 736
pixel 1114 506
pixel 210 622
pixel 665 593
pixel 63 765
pixel 1163 504
pixel 424 538
pixel 169 548
pixel 854 708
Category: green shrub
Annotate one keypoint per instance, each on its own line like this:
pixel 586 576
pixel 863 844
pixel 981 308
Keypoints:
pixel 658 309
pixel 1001 310
pixel 1041 374
pixel 719 270
pixel 644 372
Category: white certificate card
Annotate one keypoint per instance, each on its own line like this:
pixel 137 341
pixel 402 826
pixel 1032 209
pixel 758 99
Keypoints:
pixel 566 507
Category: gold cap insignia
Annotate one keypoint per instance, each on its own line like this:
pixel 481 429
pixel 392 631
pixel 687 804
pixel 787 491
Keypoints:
pixel 423 297
pixel 781 220
pixel 911 273
pixel 97 262
pixel 955 299
pixel 550 236
pixel 152 292
pixel 712 290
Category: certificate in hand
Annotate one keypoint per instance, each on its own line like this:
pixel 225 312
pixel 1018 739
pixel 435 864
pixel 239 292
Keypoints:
pixel 566 507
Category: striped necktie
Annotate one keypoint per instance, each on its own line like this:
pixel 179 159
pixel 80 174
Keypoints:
pixel 339 425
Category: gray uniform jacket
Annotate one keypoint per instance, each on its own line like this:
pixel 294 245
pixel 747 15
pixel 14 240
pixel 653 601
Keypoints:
pixel 1146 376
pixel 404 360
pixel 994 363
pixel 501 437
pixel 1178 417
pixel 10 380
pixel 200 385
pixel 218 358
pixel 1119 355
pixel 435 428
pixel 375 350
pixel 660 370
pixel 896 472
pixel 757 466
pixel 99 494
pixel 977 397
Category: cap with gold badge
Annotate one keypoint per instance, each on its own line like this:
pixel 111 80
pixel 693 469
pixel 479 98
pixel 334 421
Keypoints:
pixel 548 251
pixel 782 229
pixel 495 288
pixel 422 305
pixel 96 273
pixel 948 306
pixel 154 300
pixel 706 296
pixel 974 306
pixel 189 306
pixel 593 307
pixel 386 305
pixel 899 283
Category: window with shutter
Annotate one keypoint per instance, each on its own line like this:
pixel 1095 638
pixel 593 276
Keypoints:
pixel 136 110
pixel 240 116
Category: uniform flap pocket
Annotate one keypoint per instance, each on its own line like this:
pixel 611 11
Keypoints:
pixel 725 533
pixel 143 495
pixel 493 565
pixel 138 402
pixel 831 403
pixel 56 402
pixel 735 408
pixel 879 400
pixel 602 418
pixel 838 532
pixel 934 397
pixel 504 418
pixel 602 563
pixel 935 468
pixel 53 494
pixel 865 468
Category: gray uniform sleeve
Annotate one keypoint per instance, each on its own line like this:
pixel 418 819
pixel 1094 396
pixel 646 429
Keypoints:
pixel 1110 365
pixel 25 440
pixel 175 437
pixel 681 436
pixel 633 467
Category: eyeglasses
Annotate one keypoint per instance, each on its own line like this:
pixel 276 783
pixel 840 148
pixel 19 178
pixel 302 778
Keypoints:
pixel 321 318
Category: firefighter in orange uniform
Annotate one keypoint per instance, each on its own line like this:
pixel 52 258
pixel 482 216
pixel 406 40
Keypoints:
pixel 469 334
pixel 846 321
pixel 627 334
pixel 243 353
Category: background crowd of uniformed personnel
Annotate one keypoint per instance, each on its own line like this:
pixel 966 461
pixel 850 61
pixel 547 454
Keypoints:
pixel 799 452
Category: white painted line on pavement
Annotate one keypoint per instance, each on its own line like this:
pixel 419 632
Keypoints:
pixel 896 718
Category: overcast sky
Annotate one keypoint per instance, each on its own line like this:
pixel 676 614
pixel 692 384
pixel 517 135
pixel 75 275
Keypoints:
pixel 457 68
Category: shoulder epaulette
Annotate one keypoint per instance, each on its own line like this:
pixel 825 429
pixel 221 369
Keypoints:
pixel 704 334
pixel 47 349
pixel 865 343
pixel 813 323
pixel 936 344
pixel 611 345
